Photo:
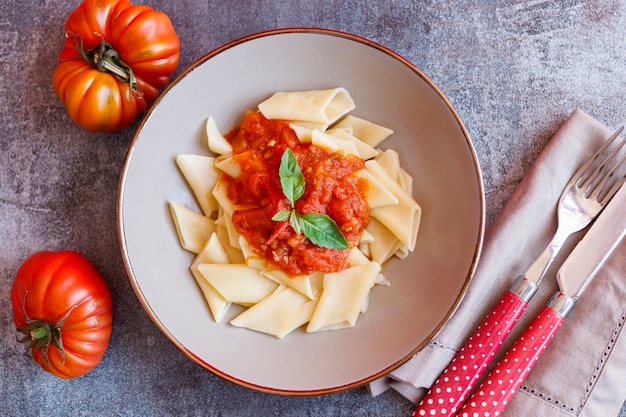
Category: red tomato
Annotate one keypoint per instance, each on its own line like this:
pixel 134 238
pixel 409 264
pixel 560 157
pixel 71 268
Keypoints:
pixel 63 306
pixel 115 59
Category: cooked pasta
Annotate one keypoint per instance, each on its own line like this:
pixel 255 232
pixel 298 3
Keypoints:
pixel 227 268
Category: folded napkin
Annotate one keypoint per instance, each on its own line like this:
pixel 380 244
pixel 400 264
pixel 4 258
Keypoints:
pixel 583 371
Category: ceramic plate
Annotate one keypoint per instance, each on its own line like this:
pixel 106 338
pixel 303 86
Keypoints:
pixel 434 148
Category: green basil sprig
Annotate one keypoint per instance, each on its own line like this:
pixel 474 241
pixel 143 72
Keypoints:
pixel 318 228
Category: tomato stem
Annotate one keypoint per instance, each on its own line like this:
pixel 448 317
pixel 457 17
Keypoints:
pixel 106 59
pixel 40 334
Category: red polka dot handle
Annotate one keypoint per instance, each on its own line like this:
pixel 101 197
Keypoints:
pixel 456 382
pixel 493 395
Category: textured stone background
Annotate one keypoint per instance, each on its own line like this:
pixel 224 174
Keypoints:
pixel 514 70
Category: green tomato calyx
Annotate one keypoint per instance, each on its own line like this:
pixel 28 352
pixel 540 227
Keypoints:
pixel 40 334
pixel 105 58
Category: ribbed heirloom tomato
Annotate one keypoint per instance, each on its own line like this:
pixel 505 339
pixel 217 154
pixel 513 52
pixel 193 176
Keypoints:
pixel 115 59
pixel 63 307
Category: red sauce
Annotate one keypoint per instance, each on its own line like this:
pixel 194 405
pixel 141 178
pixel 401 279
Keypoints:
pixel 332 188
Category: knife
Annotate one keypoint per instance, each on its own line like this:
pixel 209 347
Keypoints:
pixel 456 382
pixel 573 277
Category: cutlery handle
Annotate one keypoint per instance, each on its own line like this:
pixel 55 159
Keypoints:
pixel 496 391
pixel 456 382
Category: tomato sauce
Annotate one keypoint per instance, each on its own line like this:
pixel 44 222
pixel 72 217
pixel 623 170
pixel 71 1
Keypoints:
pixel 332 188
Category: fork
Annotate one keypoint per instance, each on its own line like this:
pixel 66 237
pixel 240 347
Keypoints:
pixel 582 199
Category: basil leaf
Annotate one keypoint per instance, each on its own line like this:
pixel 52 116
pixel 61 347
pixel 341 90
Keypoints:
pixel 291 178
pixel 295 222
pixel 322 231
pixel 318 228
pixel 281 216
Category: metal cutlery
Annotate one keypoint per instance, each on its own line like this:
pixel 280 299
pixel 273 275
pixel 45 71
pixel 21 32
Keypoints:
pixel 578 270
pixel 591 187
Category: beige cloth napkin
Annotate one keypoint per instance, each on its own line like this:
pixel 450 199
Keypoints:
pixel 583 371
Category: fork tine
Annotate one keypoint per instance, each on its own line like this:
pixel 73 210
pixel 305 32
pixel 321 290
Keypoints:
pixel 618 184
pixel 589 177
pixel 580 172
pixel 598 171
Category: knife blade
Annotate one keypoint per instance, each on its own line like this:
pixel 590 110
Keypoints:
pixel 574 276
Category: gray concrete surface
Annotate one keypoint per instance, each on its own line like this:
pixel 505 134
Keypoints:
pixel 513 69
